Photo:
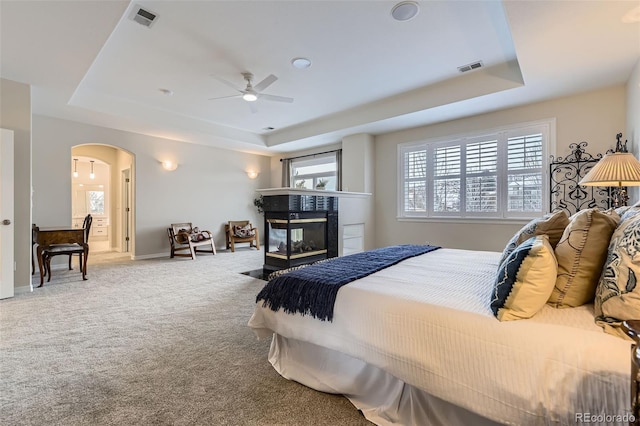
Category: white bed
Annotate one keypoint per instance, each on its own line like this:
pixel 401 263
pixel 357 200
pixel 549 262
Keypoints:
pixel 417 343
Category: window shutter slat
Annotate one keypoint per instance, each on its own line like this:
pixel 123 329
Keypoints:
pixel 482 157
pixel 415 197
pixel 416 164
pixel 481 195
pixel 524 163
pixel 447 161
pixel 446 197
pixel 524 152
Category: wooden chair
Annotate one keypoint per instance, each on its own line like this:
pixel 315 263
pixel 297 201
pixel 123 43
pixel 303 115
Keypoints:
pixel 67 249
pixel 34 231
pixel 233 237
pixel 183 237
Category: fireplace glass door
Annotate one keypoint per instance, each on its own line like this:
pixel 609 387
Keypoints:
pixel 296 241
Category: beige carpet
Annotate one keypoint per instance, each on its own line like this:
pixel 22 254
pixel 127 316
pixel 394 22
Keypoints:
pixel 157 342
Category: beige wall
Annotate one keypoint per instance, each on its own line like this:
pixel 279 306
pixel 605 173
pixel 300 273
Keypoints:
pixel 633 119
pixel 595 117
pixel 633 108
pixel 358 175
pixel 15 114
pixel 209 188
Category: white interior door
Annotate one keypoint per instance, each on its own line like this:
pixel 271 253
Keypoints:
pixel 7 266
pixel 126 211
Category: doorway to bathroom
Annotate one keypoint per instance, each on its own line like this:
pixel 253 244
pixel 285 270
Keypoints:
pixel 102 185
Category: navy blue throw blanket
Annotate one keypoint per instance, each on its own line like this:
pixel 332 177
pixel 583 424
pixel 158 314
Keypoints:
pixel 312 290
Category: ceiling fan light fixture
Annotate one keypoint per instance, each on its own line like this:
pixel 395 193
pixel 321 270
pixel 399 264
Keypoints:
pixel 252 93
pixel 405 10
pixel 250 97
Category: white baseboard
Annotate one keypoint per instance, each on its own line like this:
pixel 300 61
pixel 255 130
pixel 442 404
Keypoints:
pixel 165 254
pixel 22 289
pixel 149 256
pixel 59 266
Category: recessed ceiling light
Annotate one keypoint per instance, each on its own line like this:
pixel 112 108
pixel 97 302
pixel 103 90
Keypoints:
pixel 405 10
pixel 301 63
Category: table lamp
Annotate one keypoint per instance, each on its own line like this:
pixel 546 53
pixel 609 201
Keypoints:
pixel 617 169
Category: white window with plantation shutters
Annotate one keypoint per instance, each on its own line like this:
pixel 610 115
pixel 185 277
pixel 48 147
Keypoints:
pixel 446 179
pixel 524 173
pixel 482 177
pixel 499 174
pixel 415 175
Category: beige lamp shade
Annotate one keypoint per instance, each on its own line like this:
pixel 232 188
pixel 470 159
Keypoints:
pixel 615 169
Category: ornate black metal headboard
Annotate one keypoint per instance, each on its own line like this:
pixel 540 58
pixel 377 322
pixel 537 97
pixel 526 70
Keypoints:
pixel 565 173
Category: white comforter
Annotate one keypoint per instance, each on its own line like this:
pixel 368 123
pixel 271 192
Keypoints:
pixel 427 322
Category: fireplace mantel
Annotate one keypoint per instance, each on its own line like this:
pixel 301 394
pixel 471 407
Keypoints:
pixel 322 193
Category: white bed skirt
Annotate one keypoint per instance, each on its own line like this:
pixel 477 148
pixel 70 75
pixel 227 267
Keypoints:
pixel 426 321
pixel 382 398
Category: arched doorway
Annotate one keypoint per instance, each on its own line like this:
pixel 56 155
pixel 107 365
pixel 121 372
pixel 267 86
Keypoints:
pixel 103 185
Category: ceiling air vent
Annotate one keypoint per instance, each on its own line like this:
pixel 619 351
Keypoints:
pixel 469 67
pixel 143 16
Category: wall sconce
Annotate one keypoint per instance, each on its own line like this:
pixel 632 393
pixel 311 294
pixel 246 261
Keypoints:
pixel 252 174
pixel 169 165
pixel 91 174
pixel 75 167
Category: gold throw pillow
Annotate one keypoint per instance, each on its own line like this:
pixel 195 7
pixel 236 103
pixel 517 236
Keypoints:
pixel 581 253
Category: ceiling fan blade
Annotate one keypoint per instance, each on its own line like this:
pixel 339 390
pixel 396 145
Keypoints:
pixel 225 97
pixel 253 107
pixel 275 98
pixel 228 83
pixel 268 81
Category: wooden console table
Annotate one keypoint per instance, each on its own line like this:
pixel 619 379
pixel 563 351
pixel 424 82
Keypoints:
pixel 46 237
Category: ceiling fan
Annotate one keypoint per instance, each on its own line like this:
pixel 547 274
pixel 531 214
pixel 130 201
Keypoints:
pixel 253 93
